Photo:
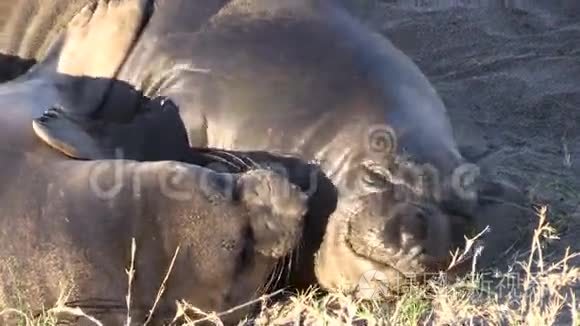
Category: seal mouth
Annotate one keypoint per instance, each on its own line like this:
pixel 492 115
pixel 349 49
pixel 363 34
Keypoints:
pixel 355 245
pixel 365 255
pixel 416 260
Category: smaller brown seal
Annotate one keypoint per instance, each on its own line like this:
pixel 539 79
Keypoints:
pixel 78 218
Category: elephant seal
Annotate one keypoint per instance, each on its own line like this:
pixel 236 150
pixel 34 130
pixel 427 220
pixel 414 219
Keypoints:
pixel 305 78
pixel 78 219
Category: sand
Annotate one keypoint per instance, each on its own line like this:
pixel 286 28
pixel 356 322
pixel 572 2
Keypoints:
pixel 509 74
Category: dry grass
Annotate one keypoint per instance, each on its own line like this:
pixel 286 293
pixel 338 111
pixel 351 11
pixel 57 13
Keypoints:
pixel 532 292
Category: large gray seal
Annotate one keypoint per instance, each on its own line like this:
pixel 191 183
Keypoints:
pixel 305 78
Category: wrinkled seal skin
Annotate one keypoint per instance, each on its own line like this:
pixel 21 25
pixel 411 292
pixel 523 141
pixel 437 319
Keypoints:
pixel 303 77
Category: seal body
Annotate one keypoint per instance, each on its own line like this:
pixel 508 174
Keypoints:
pixel 305 78
pixel 67 230
pixel 67 227
pixel 302 67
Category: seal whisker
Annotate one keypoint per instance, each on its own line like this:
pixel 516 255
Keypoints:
pixel 280 271
pixel 238 159
pixel 76 302
pixel 253 163
pixel 274 278
pixel 225 161
pixel 170 75
pixel 267 285
pixel 290 264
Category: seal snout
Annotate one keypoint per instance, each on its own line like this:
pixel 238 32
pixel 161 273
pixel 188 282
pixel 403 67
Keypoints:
pixel 413 225
pixel 410 236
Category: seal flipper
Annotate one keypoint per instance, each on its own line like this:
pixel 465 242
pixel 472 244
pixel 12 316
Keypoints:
pixel 70 137
pixel 155 133
pixel 276 207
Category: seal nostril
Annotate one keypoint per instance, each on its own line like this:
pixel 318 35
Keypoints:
pixel 421 217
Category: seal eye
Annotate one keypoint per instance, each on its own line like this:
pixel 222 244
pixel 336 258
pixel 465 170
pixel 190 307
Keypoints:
pixel 374 179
